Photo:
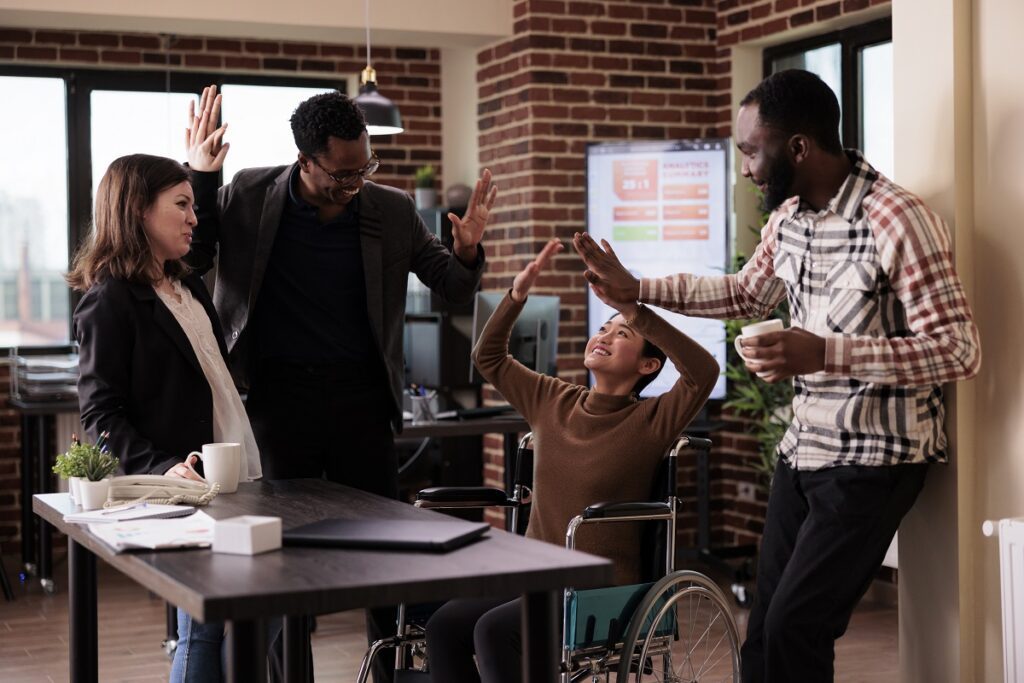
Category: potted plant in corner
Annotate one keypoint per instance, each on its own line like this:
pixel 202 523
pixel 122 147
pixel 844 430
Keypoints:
pixel 69 466
pixel 97 467
pixel 426 193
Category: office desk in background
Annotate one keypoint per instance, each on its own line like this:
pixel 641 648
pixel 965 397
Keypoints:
pixel 38 453
pixel 295 582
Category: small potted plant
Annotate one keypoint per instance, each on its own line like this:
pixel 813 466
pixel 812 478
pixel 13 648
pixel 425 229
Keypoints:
pixel 426 193
pixel 97 467
pixel 69 466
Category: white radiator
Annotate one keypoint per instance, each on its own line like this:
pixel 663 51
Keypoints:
pixel 1011 579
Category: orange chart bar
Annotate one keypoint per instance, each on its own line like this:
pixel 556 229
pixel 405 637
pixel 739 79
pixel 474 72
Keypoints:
pixel 687 191
pixel 686 212
pixel 636 213
pixel 684 232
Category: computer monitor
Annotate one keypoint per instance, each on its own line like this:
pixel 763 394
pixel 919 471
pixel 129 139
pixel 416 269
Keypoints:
pixel 534 338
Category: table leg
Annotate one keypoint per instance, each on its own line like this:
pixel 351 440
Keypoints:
pixel 44 446
pixel 296 650
pixel 541 628
pixel 82 654
pixel 247 651
pixel 28 522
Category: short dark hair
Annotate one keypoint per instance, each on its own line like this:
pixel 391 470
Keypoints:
pixel 798 102
pixel 324 116
pixel 650 351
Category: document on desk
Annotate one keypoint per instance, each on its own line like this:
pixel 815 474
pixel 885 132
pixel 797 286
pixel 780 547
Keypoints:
pixel 126 513
pixel 194 531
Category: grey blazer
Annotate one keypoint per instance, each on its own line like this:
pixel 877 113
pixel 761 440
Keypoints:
pixel 237 225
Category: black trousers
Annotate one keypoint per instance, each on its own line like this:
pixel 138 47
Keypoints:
pixel 825 536
pixel 490 629
pixel 332 422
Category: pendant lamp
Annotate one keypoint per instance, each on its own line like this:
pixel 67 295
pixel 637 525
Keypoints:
pixel 382 116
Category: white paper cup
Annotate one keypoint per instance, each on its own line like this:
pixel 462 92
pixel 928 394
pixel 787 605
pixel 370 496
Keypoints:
pixel 221 464
pixel 763 327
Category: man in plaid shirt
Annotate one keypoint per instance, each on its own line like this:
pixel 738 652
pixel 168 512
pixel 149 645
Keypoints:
pixel 880 323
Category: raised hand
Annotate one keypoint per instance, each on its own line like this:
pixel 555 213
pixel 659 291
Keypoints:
pixel 609 279
pixel 468 230
pixel 204 141
pixel 521 285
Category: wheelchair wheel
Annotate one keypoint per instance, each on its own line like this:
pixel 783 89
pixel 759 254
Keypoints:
pixel 682 632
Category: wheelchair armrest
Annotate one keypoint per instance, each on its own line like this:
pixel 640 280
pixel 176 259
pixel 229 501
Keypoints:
pixel 613 510
pixel 697 442
pixel 462 496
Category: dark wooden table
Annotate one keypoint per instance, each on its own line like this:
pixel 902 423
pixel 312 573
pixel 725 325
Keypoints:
pixel 294 582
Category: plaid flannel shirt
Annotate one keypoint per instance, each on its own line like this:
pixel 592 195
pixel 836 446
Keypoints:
pixel 873 274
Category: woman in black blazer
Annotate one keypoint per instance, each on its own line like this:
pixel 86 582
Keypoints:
pixel 152 363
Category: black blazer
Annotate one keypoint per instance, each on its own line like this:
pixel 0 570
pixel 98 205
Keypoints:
pixel 140 378
pixel 237 226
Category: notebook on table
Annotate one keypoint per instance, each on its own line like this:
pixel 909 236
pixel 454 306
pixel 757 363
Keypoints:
pixel 387 534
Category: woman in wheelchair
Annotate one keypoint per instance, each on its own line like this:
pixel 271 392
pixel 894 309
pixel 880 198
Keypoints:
pixel 591 444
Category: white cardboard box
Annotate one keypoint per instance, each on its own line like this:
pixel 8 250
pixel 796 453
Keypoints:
pixel 247 535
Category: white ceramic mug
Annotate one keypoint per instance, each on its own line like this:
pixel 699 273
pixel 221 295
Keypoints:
pixel 221 464
pixel 763 327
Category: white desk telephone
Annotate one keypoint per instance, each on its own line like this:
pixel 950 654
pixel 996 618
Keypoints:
pixel 155 488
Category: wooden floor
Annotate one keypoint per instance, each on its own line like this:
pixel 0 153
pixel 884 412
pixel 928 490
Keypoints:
pixel 34 632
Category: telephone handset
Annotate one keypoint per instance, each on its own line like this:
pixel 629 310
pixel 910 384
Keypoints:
pixel 155 488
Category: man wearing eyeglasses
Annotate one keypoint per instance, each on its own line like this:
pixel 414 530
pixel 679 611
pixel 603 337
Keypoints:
pixel 312 265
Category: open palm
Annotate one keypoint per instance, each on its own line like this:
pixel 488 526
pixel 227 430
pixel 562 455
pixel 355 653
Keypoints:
pixel 468 230
pixel 524 281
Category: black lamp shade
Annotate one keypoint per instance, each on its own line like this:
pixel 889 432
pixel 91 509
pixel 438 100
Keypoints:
pixel 382 116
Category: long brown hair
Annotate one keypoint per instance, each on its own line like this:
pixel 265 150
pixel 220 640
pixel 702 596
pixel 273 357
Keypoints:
pixel 118 247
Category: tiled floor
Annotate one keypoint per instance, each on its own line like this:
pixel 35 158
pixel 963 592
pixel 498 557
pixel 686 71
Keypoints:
pixel 34 631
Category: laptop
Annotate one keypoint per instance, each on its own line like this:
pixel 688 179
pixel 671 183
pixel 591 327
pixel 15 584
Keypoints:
pixel 387 534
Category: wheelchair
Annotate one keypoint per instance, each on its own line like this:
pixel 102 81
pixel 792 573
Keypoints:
pixel 675 628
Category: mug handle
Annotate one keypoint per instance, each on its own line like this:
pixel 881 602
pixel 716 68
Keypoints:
pixel 739 347
pixel 189 465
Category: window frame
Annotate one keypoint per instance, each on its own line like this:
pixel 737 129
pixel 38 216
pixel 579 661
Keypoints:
pixel 79 84
pixel 851 41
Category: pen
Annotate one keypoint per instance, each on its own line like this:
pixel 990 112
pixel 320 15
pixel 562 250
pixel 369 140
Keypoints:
pixel 101 442
pixel 123 508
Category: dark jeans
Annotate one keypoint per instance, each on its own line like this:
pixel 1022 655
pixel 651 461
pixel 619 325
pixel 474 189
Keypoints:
pixel 331 422
pixel 825 536
pixel 490 629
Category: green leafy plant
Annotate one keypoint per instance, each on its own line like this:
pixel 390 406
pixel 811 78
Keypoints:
pixel 97 465
pixel 425 176
pixel 69 463
pixel 767 406
pixel 85 460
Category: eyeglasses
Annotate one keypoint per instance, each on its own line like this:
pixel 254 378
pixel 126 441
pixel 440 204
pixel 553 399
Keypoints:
pixel 350 178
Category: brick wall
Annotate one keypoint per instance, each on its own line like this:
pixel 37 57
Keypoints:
pixel 583 71
pixel 408 76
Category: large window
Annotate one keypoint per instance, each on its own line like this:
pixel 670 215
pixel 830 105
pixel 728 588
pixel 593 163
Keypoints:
pixel 857 64
pixel 33 210
pixel 66 128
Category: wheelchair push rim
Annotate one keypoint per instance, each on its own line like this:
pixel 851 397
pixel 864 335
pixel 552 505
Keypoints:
pixel 683 632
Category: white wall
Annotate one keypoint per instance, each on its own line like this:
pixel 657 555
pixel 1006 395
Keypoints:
pixel 998 243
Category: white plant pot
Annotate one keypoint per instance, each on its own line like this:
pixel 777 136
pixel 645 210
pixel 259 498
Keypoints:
pixel 93 494
pixel 426 198
pixel 73 488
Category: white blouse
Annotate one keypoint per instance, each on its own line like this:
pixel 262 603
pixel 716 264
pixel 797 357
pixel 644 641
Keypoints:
pixel 230 423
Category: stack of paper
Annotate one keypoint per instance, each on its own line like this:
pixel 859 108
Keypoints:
pixel 194 531
pixel 127 512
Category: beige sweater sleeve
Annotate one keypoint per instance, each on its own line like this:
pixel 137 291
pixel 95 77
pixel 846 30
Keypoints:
pixel 669 413
pixel 527 391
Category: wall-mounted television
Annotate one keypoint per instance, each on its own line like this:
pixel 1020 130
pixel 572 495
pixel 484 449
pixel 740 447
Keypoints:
pixel 664 208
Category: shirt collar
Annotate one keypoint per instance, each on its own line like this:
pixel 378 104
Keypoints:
pixel 847 201
pixel 295 197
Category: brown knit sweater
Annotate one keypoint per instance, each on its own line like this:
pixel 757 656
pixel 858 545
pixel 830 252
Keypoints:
pixel 591 447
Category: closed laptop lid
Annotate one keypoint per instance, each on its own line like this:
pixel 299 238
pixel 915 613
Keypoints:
pixel 387 534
